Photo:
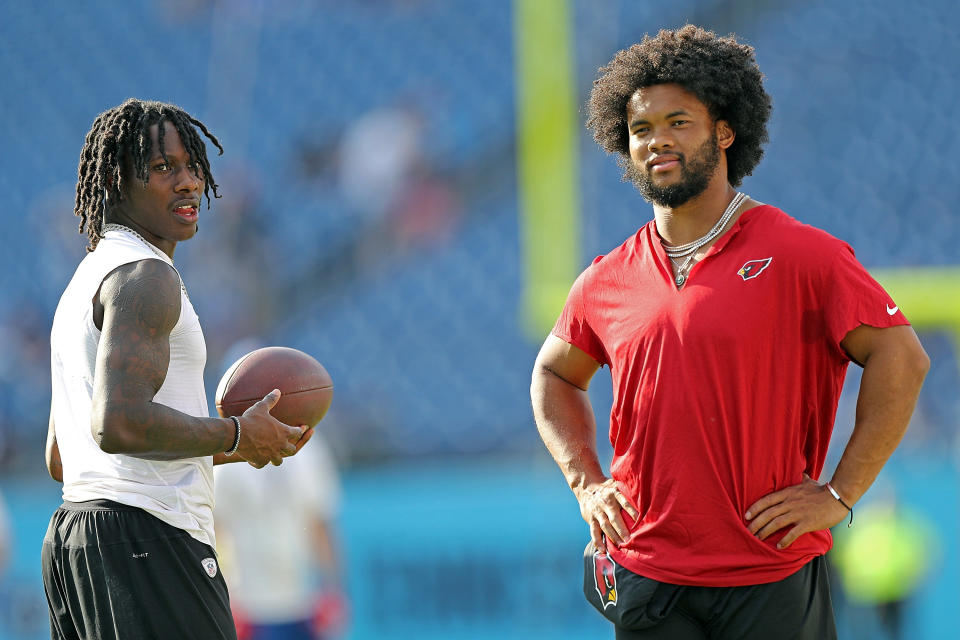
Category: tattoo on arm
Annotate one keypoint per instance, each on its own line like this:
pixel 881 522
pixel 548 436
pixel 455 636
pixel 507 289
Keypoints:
pixel 141 304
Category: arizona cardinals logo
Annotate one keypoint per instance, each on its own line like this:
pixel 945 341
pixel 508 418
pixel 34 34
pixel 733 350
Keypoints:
pixel 753 268
pixel 604 578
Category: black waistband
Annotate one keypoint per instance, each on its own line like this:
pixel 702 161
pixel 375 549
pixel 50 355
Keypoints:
pixel 97 505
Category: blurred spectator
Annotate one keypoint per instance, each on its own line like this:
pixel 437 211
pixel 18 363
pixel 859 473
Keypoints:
pixel 379 152
pixel 277 543
pixel 385 176
pixel 882 562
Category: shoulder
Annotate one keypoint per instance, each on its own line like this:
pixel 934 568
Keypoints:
pixel 617 257
pixel 148 288
pixel 150 274
pixel 802 241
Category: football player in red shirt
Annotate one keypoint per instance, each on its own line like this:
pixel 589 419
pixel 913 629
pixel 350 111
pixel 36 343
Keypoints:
pixel 727 327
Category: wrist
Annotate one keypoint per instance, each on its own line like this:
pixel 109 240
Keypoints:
pixel 836 495
pixel 235 441
pixel 848 488
pixel 583 483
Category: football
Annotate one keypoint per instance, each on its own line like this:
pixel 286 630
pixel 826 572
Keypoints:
pixel 305 386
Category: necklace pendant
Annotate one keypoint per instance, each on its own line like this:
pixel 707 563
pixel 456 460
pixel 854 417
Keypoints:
pixel 680 279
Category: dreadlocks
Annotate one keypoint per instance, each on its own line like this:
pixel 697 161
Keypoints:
pixel 122 134
pixel 721 72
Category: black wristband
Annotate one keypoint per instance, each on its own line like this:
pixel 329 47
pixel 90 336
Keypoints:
pixel 236 443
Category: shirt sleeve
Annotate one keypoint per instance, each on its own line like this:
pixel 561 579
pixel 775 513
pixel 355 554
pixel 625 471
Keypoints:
pixel 573 325
pixel 854 298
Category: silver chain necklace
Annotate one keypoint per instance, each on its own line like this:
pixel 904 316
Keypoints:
pixel 112 226
pixel 690 249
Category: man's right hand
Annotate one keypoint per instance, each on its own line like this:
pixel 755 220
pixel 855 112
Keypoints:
pixel 263 438
pixel 600 506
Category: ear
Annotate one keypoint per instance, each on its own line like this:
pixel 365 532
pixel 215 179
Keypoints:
pixel 110 188
pixel 725 134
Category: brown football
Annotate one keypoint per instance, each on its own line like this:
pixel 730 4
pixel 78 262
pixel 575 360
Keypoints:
pixel 305 386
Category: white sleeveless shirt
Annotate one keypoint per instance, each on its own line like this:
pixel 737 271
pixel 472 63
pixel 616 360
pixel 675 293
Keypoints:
pixel 179 492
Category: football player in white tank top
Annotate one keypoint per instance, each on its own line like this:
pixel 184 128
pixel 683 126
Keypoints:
pixel 129 433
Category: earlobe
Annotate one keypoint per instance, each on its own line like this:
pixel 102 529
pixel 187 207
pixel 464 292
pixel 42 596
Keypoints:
pixel 725 134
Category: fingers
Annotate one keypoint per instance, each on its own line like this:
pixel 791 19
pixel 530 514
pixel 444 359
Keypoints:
pixel 269 401
pixel 304 439
pixel 761 519
pixel 764 503
pixel 596 536
pixel 792 535
pixel 272 398
pixel 627 505
pixel 602 510
pixel 799 509
pixel 773 523
pixel 295 433
pixel 613 526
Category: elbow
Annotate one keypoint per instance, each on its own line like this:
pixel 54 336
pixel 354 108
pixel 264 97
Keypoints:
pixel 914 360
pixel 920 363
pixel 107 439
pixel 107 430
pixel 102 437
pixel 54 466
pixel 56 472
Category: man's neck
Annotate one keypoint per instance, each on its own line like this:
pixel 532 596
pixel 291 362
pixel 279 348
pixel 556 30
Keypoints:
pixel 695 217
pixel 117 216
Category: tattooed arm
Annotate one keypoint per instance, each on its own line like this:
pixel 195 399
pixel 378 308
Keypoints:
pixel 137 307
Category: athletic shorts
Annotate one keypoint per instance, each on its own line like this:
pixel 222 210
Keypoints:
pixel 795 608
pixel 114 572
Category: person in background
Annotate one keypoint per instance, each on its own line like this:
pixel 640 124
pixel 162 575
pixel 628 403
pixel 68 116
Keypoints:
pixel 282 562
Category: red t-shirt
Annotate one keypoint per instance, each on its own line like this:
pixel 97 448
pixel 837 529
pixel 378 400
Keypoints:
pixel 723 391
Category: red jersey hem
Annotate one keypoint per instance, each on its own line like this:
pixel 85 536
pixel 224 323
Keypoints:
pixel 743 577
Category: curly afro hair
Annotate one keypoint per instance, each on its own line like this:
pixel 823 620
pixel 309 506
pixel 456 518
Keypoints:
pixel 721 72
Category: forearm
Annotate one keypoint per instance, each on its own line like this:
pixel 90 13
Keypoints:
pixel 567 426
pixel 888 394
pixel 141 306
pixel 157 432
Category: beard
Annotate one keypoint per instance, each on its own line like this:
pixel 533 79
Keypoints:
pixel 694 176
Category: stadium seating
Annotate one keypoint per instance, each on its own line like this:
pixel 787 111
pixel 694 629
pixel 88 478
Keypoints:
pixel 424 339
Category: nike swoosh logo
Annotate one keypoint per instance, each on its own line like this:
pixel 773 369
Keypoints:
pixel 891 310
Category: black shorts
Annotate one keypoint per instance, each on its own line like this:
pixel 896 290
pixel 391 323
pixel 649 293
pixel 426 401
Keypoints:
pixel 795 608
pixel 112 571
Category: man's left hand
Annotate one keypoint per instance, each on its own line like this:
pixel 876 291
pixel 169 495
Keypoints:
pixel 807 506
